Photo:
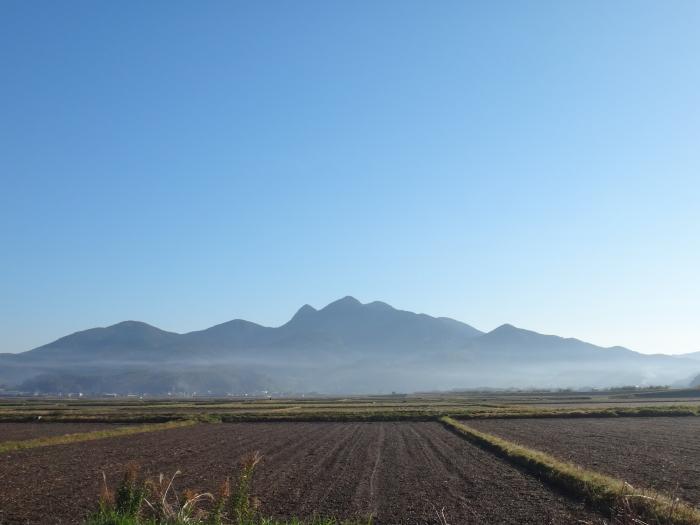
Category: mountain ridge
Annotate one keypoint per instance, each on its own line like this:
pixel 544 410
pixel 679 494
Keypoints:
pixel 346 346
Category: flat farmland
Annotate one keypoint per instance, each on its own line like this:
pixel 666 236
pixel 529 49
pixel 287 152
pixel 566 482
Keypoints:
pixel 397 472
pixel 22 431
pixel 660 453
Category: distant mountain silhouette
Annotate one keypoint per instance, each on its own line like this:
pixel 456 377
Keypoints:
pixel 345 347
pixel 125 339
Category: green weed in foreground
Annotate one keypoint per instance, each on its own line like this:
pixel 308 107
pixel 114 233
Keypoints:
pixel 154 502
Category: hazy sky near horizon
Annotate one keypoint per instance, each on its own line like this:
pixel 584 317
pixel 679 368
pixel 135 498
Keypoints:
pixel 184 164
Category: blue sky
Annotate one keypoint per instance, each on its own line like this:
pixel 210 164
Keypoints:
pixel 185 163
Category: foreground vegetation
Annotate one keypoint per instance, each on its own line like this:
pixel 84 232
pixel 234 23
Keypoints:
pixel 155 502
pixel 610 495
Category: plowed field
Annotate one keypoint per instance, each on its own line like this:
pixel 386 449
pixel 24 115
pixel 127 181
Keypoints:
pixel 661 453
pixel 397 472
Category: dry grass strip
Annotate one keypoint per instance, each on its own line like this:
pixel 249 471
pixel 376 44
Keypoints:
pixel 608 494
pixel 9 446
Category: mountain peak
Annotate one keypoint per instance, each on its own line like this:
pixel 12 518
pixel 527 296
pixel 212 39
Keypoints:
pixel 307 308
pixel 304 312
pixel 510 332
pixel 344 303
pixel 506 327
pixel 379 305
pixel 133 324
pixel 131 328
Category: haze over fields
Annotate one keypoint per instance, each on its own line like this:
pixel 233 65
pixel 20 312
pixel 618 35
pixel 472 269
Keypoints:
pixel 345 347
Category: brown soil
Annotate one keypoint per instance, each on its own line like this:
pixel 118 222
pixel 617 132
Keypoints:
pixel 661 453
pixel 399 472
pixel 22 431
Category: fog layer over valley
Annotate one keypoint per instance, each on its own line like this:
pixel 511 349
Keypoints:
pixel 346 347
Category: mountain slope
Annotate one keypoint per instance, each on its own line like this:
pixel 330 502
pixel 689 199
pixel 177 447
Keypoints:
pixel 345 347
pixel 511 342
pixel 126 339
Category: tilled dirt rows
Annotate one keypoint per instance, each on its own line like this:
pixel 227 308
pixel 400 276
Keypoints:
pixel 21 431
pixel 398 472
pixel 662 453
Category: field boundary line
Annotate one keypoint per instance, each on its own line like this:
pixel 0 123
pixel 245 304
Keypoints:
pixel 326 417
pixel 601 491
pixel 300 413
pixel 508 412
pixel 10 446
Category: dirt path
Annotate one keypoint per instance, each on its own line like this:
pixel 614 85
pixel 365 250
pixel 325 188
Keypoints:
pixel 401 472
pixel 661 453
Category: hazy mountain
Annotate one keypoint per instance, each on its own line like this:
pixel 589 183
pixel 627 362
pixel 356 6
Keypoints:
pixel 345 347
pixel 125 340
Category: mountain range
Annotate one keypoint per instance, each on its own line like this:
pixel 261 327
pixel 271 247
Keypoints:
pixel 345 347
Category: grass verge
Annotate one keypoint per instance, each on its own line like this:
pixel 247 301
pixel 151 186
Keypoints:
pixel 602 492
pixel 9 446
pixel 339 413
pixel 527 412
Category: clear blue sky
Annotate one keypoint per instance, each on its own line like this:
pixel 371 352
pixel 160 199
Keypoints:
pixel 186 163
